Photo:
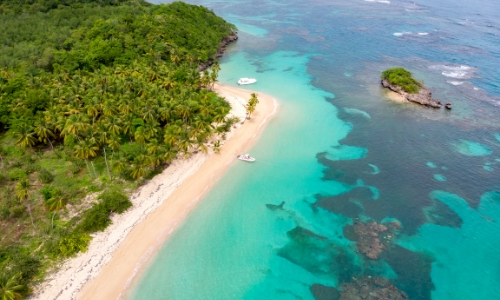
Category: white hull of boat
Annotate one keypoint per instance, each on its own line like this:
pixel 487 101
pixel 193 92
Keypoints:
pixel 246 158
pixel 247 81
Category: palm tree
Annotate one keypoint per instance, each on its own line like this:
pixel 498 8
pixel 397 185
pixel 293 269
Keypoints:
pixel 109 108
pixel 114 143
pixel 250 110
pixel 252 103
pixel 26 136
pixel 139 135
pixel 253 99
pixel 120 165
pixel 44 132
pixel 217 146
pixel 140 167
pixel 23 193
pixel 85 149
pixel 9 288
pixel 184 111
pixel 113 124
pixel 214 74
pixel 75 124
pixel 56 203
pixel 169 155
pixel 93 108
pixel 150 130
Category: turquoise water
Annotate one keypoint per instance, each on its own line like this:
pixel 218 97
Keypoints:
pixel 339 152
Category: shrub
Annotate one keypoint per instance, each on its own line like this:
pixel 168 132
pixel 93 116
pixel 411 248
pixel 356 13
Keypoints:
pixel 115 201
pixel 2 178
pixel 47 191
pixel 17 211
pixel 17 174
pixel 45 176
pixel 403 78
pixel 74 243
pixel 95 219
pixel 4 212
pixel 16 259
pixel 30 168
pixel 69 141
pixel 17 164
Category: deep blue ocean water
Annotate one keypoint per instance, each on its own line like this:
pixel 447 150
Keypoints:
pixel 340 152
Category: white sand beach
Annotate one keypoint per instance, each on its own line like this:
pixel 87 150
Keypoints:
pixel 118 255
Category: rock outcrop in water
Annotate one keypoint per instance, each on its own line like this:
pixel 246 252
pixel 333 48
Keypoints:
pixel 371 289
pixel 374 237
pixel 423 97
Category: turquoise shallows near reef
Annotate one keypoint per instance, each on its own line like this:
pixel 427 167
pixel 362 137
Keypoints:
pixel 488 168
pixel 244 250
pixel 497 136
pixel 439 177
pixel 470 148
pixel 431 165
pixel 239 243
pixel 356 111
pixel 376 170
pixel 466 265
pixel 346 152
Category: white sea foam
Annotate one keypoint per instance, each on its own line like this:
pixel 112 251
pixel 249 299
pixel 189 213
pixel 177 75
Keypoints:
pixel 423 33
pixel 457 72
pixel 379 1
pixel 455 82
pixel 402 33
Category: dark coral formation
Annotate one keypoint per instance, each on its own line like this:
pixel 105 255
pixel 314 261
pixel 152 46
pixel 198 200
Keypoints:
pixel 374 237
pixel 371 289
pixel 423 97
pixel 275 207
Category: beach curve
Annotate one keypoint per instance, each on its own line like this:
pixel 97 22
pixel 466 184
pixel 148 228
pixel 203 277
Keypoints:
pixel 118 255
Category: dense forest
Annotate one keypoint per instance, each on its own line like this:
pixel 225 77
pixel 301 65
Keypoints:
pixel 95 98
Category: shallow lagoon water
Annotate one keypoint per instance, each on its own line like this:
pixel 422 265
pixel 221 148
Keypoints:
pixel 339 152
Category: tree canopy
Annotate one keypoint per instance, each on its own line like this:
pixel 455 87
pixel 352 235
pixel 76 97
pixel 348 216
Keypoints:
pixel 403 78
pixel 95 95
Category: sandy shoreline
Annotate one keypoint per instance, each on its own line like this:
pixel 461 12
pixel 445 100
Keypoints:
pixel 395 97
pixel 116 256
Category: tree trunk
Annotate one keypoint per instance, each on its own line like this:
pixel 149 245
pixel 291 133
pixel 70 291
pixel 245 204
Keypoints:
pixel 92 163
pixel 107 166
pixel 51 146
pixel 88 168
pixel 31 217
pixel 53 219
pixel 1 158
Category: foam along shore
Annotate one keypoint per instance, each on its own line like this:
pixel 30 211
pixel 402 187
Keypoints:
pixel 117 256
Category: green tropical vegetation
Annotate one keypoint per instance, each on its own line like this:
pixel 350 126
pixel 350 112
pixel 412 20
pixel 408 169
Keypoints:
pixel 9 287
pixel 96 97
pixel 403 78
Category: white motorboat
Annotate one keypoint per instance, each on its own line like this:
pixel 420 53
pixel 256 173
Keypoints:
pixel 246 157
pixel 247 80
